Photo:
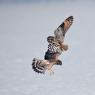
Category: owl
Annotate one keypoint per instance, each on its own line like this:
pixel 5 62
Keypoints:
pixel 55 48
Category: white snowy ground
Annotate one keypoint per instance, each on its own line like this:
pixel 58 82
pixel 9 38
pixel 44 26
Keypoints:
pixel 23 32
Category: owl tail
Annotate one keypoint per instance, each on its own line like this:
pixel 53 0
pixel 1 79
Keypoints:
pixel 38 66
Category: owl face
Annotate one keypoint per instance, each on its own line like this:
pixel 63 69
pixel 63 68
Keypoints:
pixel 50 39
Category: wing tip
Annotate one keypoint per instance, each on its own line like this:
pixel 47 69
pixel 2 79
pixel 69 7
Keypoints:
pixel 37 67
pixel 71 18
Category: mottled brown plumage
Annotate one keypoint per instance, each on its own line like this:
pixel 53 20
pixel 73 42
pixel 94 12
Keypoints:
pixel 55 48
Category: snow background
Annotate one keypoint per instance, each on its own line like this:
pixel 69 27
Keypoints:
pixel 24 28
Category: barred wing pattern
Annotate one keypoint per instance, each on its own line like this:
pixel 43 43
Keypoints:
pixel 54 48
pixel 62 29
pixel 59 35
pixel 38 66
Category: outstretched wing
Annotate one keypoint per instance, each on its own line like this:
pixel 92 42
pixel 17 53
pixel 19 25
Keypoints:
pixel 40 66
pixel 56 41
pixel 63 28
pixel 55 46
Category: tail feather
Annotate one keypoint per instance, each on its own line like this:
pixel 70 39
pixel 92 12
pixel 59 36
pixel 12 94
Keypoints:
pixel 38 66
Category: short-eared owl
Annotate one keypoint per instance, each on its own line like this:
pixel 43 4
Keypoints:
pixel 55 48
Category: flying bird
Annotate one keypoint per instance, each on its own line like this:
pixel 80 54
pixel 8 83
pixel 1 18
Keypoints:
pixel 55 48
